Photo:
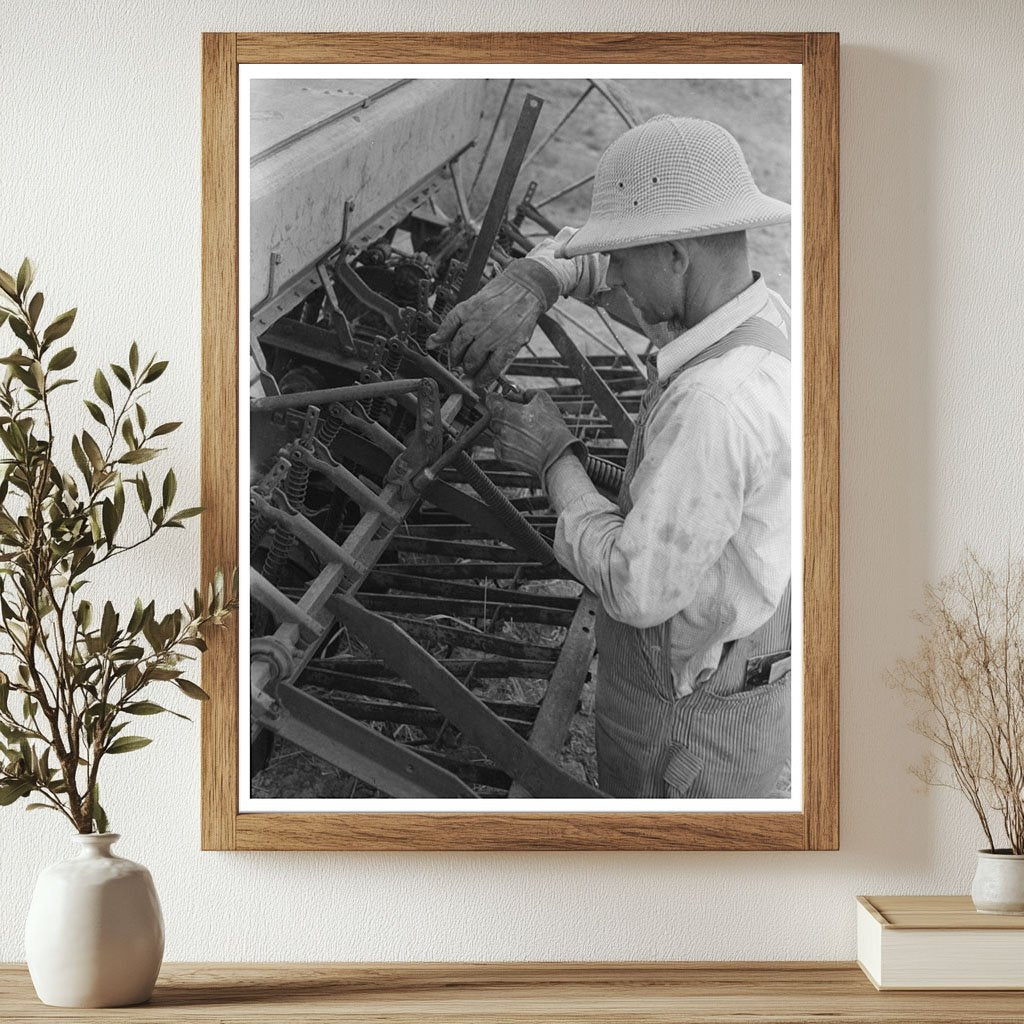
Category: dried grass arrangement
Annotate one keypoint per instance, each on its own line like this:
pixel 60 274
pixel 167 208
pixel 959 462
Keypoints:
pixel 967 682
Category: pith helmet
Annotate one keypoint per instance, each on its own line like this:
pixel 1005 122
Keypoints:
pixel 672 177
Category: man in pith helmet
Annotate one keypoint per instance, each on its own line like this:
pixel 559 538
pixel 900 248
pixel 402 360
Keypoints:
pixel 692 563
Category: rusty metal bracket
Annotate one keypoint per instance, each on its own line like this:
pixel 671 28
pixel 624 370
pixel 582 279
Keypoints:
pixel 424 446
pixel 353 283
pixel 480 726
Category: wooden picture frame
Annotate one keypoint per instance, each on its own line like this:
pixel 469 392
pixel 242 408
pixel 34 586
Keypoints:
pixel 816 826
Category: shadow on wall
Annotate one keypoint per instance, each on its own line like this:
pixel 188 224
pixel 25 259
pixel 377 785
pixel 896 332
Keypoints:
pixel 887 331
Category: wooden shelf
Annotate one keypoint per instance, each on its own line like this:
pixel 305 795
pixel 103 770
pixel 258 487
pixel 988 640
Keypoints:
pixel 782 993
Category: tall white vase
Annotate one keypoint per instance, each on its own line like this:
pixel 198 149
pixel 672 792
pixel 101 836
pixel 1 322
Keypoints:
pixel 95 934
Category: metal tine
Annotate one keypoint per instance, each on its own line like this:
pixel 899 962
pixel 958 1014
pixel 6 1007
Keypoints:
pixel 404 714
pixel 397 604
pixel 444 588
pixel 490 668
pixel 461 636
pixel 385 689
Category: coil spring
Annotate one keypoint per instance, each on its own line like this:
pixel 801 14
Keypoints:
pixel 389 365
pixel 605 474
pixel 295 486
pixel 530 541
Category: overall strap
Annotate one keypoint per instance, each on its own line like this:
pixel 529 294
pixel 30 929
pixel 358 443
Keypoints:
pixel 755 332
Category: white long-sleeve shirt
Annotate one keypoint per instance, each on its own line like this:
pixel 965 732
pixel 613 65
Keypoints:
pixel 707 540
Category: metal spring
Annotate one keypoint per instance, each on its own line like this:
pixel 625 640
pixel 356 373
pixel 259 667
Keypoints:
pixel 295 486
pixel 605 474
pixel 530 541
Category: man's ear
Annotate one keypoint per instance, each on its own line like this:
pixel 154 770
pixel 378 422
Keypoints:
pixel 680 254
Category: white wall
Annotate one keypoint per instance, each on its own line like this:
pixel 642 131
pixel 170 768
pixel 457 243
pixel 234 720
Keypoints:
pixel 99 182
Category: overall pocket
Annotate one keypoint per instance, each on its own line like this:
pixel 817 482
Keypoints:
pixel 730 746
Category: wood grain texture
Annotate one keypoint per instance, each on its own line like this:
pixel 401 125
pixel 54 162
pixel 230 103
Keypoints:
pixel 821 440
pixel 614 993
pixel 941 913
pixel 219 429
pixel 520 831
pixel 521 47
pixel 818 826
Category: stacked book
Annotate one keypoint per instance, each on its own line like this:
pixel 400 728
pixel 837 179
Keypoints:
pixel 938 942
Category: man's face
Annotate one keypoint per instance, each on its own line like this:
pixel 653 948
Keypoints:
pixel 653 276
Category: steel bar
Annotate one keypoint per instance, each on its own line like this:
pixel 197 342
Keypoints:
pixel 566 684
pixel 466 712
pixel 356 748
pixel 454 531
pixel 351 393
pixel 433 632
pixel 421 604
pixel 403 714
pixel 279 605
pixel 383 689
pixel 478 570
pixel 514 478
pixel 455 549
pixel 483 668
pixel 498 205
pixel 468 592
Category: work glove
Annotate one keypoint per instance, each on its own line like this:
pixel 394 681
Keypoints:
pixel 531 436
pixel 486 331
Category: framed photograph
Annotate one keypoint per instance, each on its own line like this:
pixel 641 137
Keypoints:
pixel 520 417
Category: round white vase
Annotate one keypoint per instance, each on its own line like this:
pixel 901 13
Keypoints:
pixel 999 882
pixel 95 933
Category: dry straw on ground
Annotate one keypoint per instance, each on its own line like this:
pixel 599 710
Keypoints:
pixel 967 680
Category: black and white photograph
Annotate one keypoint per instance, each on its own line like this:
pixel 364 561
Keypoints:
pixel 524 377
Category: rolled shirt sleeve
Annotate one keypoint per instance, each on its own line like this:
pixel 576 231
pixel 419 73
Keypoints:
pixel 688 497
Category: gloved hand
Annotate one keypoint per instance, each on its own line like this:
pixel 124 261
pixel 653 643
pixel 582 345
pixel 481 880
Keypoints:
pixel 531 437
pixel 487 330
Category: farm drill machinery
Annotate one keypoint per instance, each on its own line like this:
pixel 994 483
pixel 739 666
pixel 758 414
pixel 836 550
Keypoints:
pixel 396 569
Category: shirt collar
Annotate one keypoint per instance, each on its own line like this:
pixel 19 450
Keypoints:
pixel 712 328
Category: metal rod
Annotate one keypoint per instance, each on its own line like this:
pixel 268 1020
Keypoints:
pixel 279 605
pixel 498 205
pixel 351 393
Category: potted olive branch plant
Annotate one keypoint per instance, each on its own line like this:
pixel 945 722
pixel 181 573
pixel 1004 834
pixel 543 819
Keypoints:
pixel 966 681
pixel 77 671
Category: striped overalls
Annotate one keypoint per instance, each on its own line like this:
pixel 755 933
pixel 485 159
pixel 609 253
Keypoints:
pixel 727 739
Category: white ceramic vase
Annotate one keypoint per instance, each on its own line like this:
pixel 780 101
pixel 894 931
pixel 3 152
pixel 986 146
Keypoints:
pixel 95 934
pixel 999 882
